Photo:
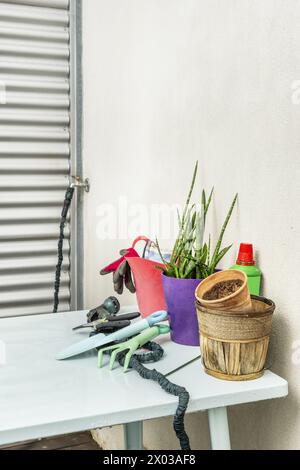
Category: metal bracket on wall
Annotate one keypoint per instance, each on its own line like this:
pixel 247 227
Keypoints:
pixel 81 183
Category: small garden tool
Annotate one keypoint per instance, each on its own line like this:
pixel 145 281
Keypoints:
pixel 101 339
pixel 111 322
pixel 111 306
pixel 132 345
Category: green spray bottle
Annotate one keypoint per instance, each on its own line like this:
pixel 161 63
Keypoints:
pixel 246 263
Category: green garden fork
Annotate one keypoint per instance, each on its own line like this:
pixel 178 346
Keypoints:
pixel 132 345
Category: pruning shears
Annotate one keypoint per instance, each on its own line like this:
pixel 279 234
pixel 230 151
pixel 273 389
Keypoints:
pixel 109 323
pixel 111 306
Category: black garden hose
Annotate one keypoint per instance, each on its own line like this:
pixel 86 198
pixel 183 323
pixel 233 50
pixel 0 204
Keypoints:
pixel 154 355
pixel 64 214
pixel 137 360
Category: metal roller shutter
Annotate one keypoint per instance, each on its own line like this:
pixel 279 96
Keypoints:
pixel 35 143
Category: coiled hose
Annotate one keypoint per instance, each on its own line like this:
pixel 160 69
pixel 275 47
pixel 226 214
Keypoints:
pixel 154 355
pixel 67 203
pixel 155 351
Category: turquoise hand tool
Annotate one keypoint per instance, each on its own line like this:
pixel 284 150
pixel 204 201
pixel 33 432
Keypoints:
pixel 132 345
pixel 101 339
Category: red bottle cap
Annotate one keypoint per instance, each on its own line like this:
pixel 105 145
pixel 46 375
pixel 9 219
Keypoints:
pixel 245 256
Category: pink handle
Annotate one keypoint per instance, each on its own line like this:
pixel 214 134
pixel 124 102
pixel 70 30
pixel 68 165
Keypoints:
pixel 139 239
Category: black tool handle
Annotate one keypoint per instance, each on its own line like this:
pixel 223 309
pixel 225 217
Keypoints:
pixel 116 325
pixel 125 316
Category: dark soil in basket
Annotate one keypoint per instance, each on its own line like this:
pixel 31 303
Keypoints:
pixel 223 289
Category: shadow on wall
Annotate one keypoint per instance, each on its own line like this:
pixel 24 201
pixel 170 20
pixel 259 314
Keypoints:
pixel 280 416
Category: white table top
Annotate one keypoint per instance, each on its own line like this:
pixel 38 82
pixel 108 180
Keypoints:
pixel 41 397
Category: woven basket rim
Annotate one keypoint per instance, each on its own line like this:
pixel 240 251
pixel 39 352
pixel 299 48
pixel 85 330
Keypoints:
pixel 268 311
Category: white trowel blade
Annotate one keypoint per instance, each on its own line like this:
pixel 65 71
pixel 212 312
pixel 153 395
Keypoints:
pixel 83 346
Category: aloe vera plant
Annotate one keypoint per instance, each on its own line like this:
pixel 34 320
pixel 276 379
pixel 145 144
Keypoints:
pixel 192 257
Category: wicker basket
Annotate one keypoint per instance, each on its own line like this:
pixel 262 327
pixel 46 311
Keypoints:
pixel 234 346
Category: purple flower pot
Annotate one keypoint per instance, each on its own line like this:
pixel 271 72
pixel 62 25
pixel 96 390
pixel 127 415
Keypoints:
pixel 180 300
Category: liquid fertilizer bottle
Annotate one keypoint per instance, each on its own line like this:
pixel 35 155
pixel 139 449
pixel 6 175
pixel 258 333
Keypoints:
pixel 246 263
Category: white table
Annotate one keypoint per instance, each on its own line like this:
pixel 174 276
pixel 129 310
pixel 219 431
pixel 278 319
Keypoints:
pixel 42 397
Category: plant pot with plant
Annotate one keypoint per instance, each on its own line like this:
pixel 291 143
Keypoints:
pixel 192 260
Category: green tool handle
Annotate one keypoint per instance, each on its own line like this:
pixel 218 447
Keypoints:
pixel 151 333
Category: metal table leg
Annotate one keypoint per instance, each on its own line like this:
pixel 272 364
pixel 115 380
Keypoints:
pixel 219 429
pixel 133 436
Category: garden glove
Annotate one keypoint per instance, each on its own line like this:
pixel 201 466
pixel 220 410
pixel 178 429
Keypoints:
pixel 121 269
pixel 122 276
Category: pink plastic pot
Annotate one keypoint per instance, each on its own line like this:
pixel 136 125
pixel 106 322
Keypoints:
pixel 148 283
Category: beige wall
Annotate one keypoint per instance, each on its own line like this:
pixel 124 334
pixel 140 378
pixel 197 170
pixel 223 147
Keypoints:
pixel 171 81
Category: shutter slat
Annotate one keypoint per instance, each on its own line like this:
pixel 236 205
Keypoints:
pixel 30 232
pixel 42 215
pixel 36 264
pixel 31 14
pixel 21 282
pixel 32 133
pixel 64 4
pixel 28 48
pixel 32 83
pixel 20 310
pixel 31 166
pixel 37 117
pixel 12 30
pixel 34 296
pixel 34 149
pixel 34 153
pixel 18 182
pixel 38 66
pixel 32 198
pixel 37 100
pixel 17 249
